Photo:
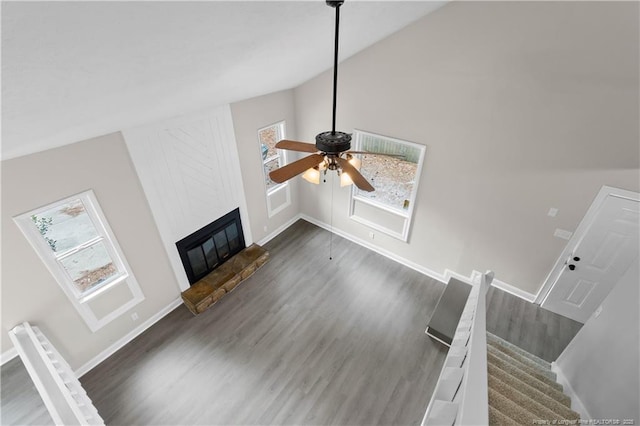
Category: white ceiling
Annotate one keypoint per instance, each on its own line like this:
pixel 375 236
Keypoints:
pixel 75 70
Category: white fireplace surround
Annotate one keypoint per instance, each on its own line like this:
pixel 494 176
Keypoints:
pixel 190 173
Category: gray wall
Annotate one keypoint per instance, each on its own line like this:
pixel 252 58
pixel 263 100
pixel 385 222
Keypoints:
pixel 29 291
pixel 522 106
pixel 248 117
pixel 602 362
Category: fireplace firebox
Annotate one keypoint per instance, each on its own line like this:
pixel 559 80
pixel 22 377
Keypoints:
pixel 211 246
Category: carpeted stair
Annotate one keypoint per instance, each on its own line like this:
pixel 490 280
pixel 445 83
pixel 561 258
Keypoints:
pixel 522 387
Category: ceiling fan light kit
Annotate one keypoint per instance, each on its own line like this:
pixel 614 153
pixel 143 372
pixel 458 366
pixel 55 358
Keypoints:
pixel 331 150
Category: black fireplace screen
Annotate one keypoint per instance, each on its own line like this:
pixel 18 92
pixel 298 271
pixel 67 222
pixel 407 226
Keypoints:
pixel 209 247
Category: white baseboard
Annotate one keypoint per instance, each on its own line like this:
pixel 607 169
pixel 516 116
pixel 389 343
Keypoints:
pixel 576 403
pixel 426 271
pixel 278 231
pixel 444 278
pixel 448 273
pixel 513 290
pixel 127 338
pixel 8 356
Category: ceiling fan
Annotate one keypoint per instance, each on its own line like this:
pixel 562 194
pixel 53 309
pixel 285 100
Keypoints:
pixel 331 150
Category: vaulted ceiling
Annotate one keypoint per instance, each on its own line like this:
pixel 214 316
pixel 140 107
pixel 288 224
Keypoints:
pixel 75 70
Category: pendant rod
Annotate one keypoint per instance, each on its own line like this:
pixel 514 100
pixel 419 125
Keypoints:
pixel 335 69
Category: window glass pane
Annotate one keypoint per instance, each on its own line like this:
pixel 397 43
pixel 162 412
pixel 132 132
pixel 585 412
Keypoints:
pixel 210 253
pixel 232 237
pixel 392 177
pixel 221 244
pixel 65 226
pixel 89 266
pixel 197 261
pixel 268 167
pixel 268 138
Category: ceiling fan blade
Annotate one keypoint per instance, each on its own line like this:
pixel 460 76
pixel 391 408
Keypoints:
pixel 296 146
pixel 355 175
pixel 375 153
pixel 285 173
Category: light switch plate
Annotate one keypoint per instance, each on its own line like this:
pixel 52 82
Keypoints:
pixel 552 212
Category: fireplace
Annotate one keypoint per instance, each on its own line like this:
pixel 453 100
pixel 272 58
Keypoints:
pixel 211 246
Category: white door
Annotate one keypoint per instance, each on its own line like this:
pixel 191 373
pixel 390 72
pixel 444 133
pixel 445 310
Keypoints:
pixel 598 260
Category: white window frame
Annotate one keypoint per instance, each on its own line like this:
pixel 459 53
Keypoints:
pixel 52 260
pixel 406 215
pixel 282 160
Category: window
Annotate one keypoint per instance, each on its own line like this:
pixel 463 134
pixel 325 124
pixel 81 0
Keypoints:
pixel 73 239
pixel 389 208
pixel 272 158
pixel 278 194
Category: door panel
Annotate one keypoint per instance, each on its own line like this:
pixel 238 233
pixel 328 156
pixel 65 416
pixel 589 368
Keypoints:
pixel 579 293
pixel 607 249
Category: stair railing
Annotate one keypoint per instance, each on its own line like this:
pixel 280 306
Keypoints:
pixel 461 393
pixel 59 388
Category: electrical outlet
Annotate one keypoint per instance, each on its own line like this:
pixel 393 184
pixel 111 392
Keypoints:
pixel 561 233
pixel 552 212
pixel 134 316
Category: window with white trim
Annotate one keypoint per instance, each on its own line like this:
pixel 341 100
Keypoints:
pixel 394 176
pixel 74 241
pixel 272 158
pixel 278 194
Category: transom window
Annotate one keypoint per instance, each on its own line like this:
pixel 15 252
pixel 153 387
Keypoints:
pixel 395 178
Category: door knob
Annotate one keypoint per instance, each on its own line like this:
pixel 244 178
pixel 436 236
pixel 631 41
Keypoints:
pixel 572 267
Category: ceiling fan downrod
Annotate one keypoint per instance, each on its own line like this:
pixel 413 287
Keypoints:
pixel 336 5
pixel 334 142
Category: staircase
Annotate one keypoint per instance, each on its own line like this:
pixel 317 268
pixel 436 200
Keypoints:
pixel 60 390
pixel 522 388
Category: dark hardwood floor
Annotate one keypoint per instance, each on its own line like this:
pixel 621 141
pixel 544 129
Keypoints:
pixel 20 403
pixel 534 329
pixel 305 340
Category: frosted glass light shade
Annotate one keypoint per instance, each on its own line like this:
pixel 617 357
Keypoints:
pixel 356 162
pixel 312 175
pixel 345 179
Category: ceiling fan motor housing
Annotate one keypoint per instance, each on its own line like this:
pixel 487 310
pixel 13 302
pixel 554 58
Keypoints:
pixel 333 142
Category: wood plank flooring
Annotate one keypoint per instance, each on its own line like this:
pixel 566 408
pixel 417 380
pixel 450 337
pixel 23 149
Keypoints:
pixel 305 340
pixel 534 329
pixel 20 401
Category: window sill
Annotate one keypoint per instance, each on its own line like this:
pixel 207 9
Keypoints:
pixel 95 292
pixel 381 206
pixel 275 189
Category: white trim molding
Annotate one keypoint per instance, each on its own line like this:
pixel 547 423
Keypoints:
pixel 444 277
pixel 93 362
pixel 529 297
pixel 576 403
pixel 579 233
pixel 278 231
pixel 426 271
pixel 406 215
pixel 54 263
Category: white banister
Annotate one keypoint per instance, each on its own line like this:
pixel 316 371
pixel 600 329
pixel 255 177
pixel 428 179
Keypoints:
pixel 461 393
pixel 60 390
